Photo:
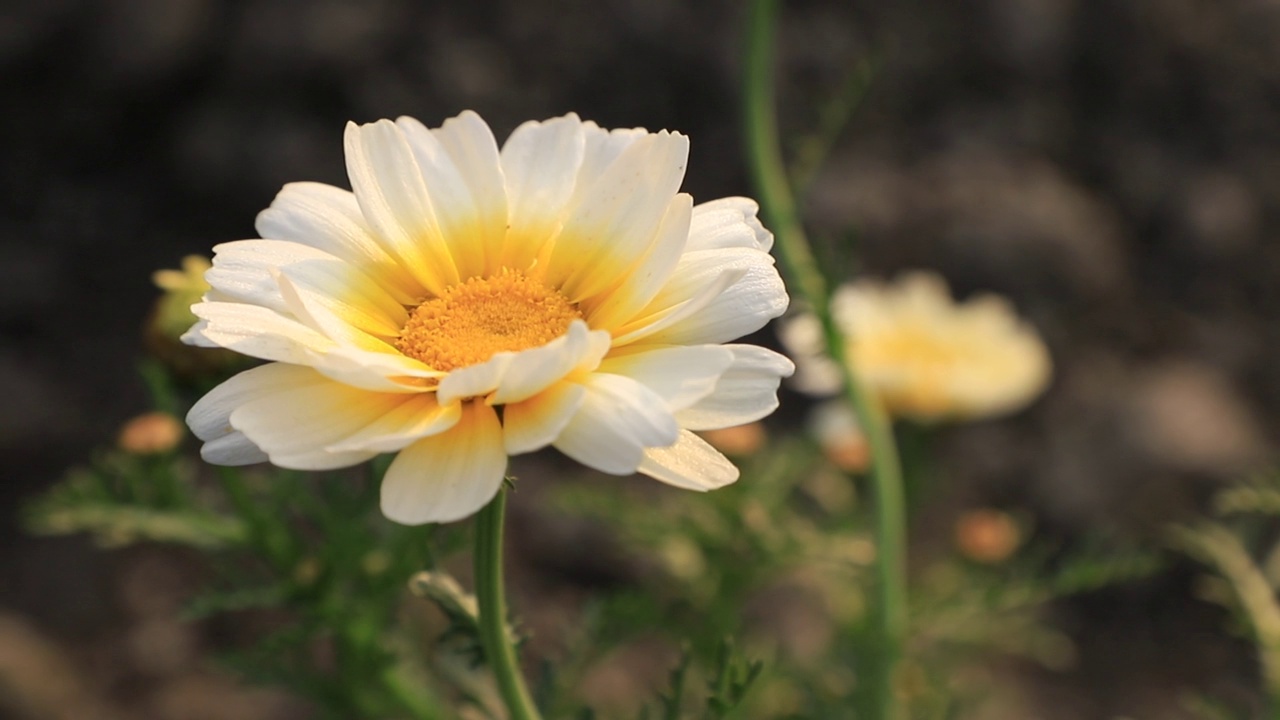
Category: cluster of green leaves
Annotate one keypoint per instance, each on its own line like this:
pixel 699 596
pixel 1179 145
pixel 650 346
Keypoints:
pixel 793 519
pixel 310 557
pixel 306 556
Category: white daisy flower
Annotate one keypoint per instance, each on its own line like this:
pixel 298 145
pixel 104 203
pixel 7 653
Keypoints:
pixel 926 356
pixel 466 303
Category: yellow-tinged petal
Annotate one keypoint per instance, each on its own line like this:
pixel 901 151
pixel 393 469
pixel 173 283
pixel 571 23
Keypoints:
pixel 417 417
pixel 535 423
pixel 448 476
pixel 613 222
pixel 329 219
pixel 540 163
pixel 296 425
pixel 614 308
pixel 394 200
pixel 459 164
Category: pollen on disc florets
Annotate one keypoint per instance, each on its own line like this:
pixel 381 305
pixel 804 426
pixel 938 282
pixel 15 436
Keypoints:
pixel 473 320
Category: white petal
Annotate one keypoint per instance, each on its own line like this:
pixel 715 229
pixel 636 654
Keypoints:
pixel 233 449
pixel 329 218
pixel 449 476
pixel 534 370
pixel 744 307
pixel 680 375
pixel 296 425
pixel 601 147
pixel 690 463
pixel 535 423
pixel 647 278
pixel 393 197
pixel 618 419
pixel 612 223
pixel 540 163
pixel 747 391
pixel 515 376
pixel 459 164
pixel 376 371
pixel 195 335
pixel 658 317
pixel 209 417
pixel 727 223
pixel 259 332
pixel 416 418
pixel 242 270
pixel 475 381
pixel 334 319
pixel 262 333
pixel 349 294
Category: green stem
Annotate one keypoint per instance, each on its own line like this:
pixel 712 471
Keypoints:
pixel 493 611
pixel 778 205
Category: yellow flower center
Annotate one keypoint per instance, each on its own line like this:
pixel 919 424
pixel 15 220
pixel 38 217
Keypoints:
pixel 472 321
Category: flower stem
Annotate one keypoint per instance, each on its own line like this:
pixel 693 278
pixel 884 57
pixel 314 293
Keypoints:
pixel 493 611
pixel 779 206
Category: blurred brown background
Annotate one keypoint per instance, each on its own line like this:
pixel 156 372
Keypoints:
pixel 1113 166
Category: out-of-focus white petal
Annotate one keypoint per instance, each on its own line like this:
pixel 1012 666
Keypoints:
pixel 817 373
pixel 618 419
pixel 925 355
pixel 446 477
pixel 459 164
pixel 395 202
pixel 680 375
pixel 728 223
pixel 746 391
pixel 232 449
pixel 535 423
pixel 329 219
pixel 690 463
pixel 540 163
pixel 613 221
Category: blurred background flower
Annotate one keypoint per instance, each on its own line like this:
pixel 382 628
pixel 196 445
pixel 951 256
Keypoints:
pixel 926 356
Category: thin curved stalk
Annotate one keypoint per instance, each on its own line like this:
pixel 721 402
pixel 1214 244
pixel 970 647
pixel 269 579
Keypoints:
pixel 779 207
